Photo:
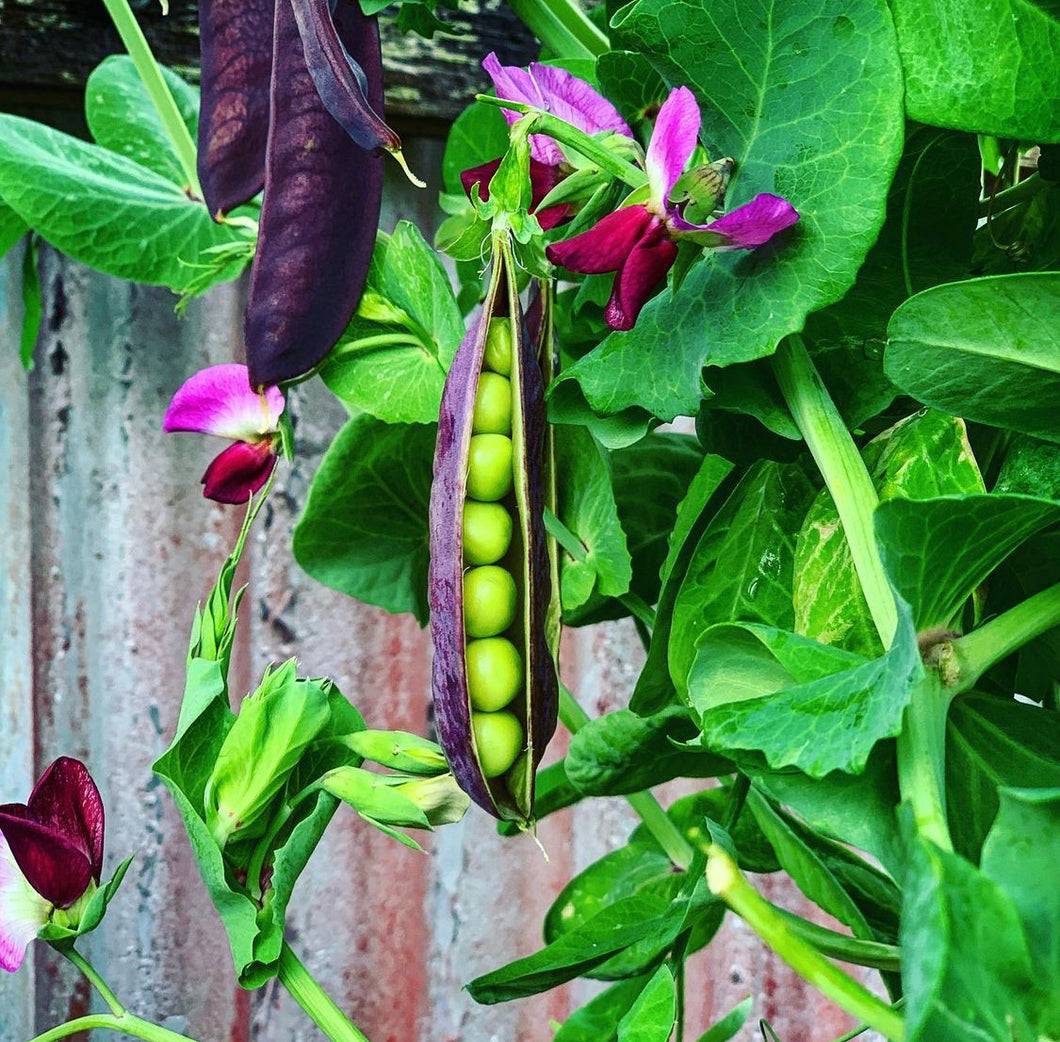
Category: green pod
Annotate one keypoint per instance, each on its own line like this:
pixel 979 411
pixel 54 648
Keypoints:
pixel 499 778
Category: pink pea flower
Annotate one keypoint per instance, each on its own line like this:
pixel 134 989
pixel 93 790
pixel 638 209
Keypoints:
pixel 638 242
pixel 51 854
pixel 566 96
pixel 219 400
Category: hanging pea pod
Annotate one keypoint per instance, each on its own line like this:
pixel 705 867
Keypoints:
pixel 321 209
pixel 236 60
pixel 491 595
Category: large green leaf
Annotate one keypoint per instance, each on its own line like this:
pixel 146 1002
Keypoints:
pixel 597 1020
pixel 392 359
pixel 107 211
pixel 993 742
pixel 816 721
pixel 1031 466
pixel 924 455
pixel 651 1017
pixel 364 527
pixel 621 752
pixel 966 969
pixel 975 349
pixel 806 99
pixel 988 66
pixel 586 505
pixel 937 551
pixel 742 567
pixel 654 688
pixel 1021 854
pixel 122 117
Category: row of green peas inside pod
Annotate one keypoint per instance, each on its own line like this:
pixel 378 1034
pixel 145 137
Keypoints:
pixel 495 667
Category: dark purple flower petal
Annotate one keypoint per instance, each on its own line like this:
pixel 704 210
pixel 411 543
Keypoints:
pixel 318 222
pixel 646 266
pixel 606 245
pixel 236 44
pixel 66 800
pixel 238 472
pixel 754 223
pixel 56 867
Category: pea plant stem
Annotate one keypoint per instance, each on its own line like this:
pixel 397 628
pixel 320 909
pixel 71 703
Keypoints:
pixel 646 806
pixel 316 1002
pixel 157 89
pixel 975 653
pixel 93 977
pixel 921 745
pixel 127 1024
pixel 562 26
pixel 726 881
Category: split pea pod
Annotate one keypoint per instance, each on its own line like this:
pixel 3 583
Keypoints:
pixel 490 584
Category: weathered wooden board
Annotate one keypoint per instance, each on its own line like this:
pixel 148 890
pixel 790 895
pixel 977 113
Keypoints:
pixel 57 43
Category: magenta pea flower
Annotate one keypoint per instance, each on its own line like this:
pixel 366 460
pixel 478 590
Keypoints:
pixel 219 400
pixel 559 92
pixel 639 242
pixel 51 854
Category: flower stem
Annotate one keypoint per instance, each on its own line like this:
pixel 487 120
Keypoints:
pixel 565 134
pixel 725 881
pixel 975 653
pixel 647 807
pixel 321 1008
pixel 1028 188
pixel 127 1024
pixel 157 89
pixel 94 979
pixel 562 26
pixel 875 954
pixel 921 744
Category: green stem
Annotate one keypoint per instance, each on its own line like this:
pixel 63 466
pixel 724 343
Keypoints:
pixel 565 134
pixel 725 880
pixel 633 602
pixel 647 807
pixel 679 989
pixel 127 1024
pixel 305 990
pixel 975 653
pixel 1026 189
pixel 562 26
pixel 737 798
pixel 94 979
pixel 844 473
pixel 922 759
pixel 157 89
pixel 874 954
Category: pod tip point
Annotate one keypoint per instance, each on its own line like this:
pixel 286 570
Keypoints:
pixel 397 154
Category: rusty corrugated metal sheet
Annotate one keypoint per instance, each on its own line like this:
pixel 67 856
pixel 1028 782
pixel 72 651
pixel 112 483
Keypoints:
pixel 107 544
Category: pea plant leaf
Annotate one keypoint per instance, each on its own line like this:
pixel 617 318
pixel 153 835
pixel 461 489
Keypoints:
pixel 742 567
pixel 806 100
pixel 724 1029
pixel 651 1017
pixel 364 527
pixel 586 505
pixel 122 118
pixel 597 1020
pixel 986 67
pixel 1021 854
pixel 937 551
pixel 108 211
pixel 921 456
pixel 12 227
pixel 973 348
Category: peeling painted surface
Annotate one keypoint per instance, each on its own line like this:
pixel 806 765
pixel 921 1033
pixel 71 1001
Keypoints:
pixel 107 546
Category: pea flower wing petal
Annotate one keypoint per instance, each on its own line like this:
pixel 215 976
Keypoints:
pixel 645 267
pixel 219 400
pixel 606 245
pixel 22 911
pixel 55 866
pixel 672 143
pixel 66 800
pixel 750 225
pixel 238 472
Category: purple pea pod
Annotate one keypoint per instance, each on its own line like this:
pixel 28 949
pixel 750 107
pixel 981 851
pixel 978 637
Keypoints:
pixel 322 197
pixel 236 44
pixel 494 721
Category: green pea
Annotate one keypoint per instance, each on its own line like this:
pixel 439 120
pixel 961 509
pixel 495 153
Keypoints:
pixel 499 740
pixel 498 353
pixel 493 405
pixel 494 673
pixel 489 601
pixel 489 475
pixel 487 532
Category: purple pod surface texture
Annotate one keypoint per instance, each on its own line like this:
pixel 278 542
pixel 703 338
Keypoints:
pixel 235 39
pixel 321 208
pixel 509 796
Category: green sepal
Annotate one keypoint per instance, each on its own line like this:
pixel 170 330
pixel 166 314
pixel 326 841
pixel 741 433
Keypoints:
pixel 68 924
pixel 400 751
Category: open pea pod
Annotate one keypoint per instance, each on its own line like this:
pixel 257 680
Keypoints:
pixel 490 585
